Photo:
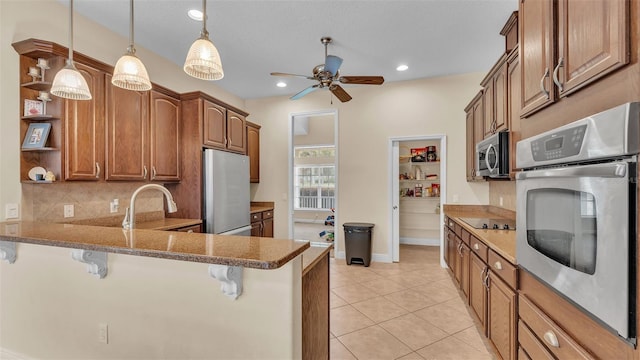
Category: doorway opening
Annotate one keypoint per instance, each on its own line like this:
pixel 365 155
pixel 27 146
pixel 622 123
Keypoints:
pixel 313 175
pixel 418 187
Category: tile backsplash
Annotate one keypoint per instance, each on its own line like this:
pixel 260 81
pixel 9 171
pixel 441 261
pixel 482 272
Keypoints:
pixel 504 189
pixel 45 202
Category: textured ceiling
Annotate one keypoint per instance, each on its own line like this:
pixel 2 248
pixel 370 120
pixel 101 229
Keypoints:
pixel 433 37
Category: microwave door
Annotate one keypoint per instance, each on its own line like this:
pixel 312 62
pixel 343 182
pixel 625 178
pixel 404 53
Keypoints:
pixel 573 233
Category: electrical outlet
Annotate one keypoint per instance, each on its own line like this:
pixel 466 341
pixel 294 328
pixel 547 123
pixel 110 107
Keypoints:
pixel 68 211
pixel 11 211
pixel 103 333
pixel 501 201
pixel 456 198
pixel 114 204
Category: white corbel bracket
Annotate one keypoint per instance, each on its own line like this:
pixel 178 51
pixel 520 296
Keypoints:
pixel 230 278
pixel 96 261
pixel 8 251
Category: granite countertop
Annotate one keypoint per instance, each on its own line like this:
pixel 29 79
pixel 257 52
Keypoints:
pixel 502 242
pixel 260 206
pixel 167 224
pixel 314 254
pixel 255 209
pixel 247 251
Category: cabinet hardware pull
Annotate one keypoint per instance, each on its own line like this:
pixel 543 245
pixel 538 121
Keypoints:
pixel 486 279
pixel 555 74
pixel 551 339
pixel 475 246
pixel 153 172
pixel 498 265
pixel 546 74
pixel 97 171
pixel 144 175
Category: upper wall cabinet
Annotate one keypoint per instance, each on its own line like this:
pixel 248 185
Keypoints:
pixel 494 99
pixel 592 41
pixel 164 154
pixel 253 151
pixel 223 129
pixel 475 133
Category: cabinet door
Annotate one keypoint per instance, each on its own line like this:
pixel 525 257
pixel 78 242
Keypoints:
pixel 501 120
pixel 253 150
pixel 236 132
pixel 464 269
pixel 471 147
pixel 477 289
pixel 535 21
pixel 215 125
pixel 451 250
pixel 164 138
pixel 84 130
pixel 267 228
pixel 478 133
pixel 513 108
pixel 593 40
pixel 502 317
pixel 488 103
pixel 127 133
pixel 256 228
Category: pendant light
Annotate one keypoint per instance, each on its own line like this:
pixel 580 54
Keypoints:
pixel 203 60
pixel 68 82
pixel 130 73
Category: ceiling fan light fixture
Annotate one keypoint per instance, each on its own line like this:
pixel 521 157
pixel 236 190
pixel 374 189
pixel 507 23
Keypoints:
pixel 129 72
pixel 68 82
pixel 402 67
pixel 203 59
pixel 281 84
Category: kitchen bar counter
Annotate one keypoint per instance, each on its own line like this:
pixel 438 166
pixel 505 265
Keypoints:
pixel 167 224
pixel 316 252
pixel 501 241
pixel 246 251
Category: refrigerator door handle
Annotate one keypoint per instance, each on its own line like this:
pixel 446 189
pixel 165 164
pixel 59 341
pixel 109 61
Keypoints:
pixel 236 231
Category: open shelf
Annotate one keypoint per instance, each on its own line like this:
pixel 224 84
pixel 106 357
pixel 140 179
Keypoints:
pixel 41 149
pixel 37 85
pixel 39 117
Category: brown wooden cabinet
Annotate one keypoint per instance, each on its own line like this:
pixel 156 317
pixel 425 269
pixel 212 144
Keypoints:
pixel 592 41
pixel 494 99
pixel 502 317
pixel 164 154
pixel 262 223
pixel 253 151
pixel 84 130
pixel 478 290
pixel 513 107
pixel 475 133
pixel 223 129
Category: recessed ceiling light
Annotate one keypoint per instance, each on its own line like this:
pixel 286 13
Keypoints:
pixel 402 68
pixel 195 14
pixel 281 84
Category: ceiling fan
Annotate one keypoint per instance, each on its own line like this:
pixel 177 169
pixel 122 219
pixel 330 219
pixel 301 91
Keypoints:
pixel 327 75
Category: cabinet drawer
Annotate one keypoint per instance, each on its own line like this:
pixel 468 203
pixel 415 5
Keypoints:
pixel 257 216
pixel 267 214
pixel 504 269
pixel 532 347
pixel 556 340
pixel 478 247
pixel 465 236
pixel 458 229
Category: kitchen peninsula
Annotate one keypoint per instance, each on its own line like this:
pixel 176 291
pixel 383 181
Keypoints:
pixel 159 299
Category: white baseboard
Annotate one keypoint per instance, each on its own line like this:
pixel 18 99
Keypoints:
pixel 9 355
pixel 374 257
pixel 420 241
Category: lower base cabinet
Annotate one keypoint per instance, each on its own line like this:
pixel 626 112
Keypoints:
pixel 315 311
pixel 502 317
pixel 478 290
pixel 262 223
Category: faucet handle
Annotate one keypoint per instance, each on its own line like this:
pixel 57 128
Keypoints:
pixel 126 222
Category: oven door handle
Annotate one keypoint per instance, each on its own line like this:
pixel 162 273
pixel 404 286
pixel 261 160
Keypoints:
pixel 612 170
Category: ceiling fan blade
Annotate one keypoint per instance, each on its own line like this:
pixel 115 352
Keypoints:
pixel 362 80
pixel 287 74
pixel 332 64
pixel 339 92
pixel 304 92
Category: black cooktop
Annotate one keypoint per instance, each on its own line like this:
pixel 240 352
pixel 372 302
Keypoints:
pixel 495 224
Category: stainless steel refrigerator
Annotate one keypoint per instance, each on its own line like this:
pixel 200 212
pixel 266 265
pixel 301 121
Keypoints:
pixel 226 193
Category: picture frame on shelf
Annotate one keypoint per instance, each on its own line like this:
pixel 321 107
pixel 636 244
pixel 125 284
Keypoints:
pixel 33 107
pixel 419 154
pixel 36 136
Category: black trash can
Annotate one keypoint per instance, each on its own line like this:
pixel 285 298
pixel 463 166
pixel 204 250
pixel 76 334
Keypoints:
pixel 357 242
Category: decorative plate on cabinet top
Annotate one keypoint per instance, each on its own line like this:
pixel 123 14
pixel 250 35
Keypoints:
pixel 37 170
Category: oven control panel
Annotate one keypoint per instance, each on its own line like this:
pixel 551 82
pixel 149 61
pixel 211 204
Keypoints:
pixel 558 145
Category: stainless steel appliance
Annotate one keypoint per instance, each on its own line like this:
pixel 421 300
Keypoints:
pixel 492 156
pixel 226 193
pixel 576 213
pixel 490 224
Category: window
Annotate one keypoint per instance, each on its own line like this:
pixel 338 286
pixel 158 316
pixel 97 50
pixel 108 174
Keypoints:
pixel 314 183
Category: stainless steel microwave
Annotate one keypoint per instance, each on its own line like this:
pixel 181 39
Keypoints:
pixel 492 156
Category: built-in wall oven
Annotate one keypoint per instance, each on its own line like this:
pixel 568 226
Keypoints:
pixel 576 213
pixel 492 155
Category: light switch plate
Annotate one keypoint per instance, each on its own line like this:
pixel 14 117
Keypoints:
pixel 11 211
pixel 68 211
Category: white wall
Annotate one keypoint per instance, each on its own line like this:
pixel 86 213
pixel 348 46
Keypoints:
pixel 51 308
pixel 48 20
pixel 421 107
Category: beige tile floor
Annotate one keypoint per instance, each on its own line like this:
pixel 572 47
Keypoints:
pixel 405 310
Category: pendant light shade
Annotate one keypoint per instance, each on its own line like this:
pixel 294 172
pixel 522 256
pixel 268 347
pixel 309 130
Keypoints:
pixel 68 82
pixel 203 60
pixel 130 72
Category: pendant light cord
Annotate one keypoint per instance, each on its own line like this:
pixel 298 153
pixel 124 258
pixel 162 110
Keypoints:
pixel 204 32
pixel 70 59
pixel 131 49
